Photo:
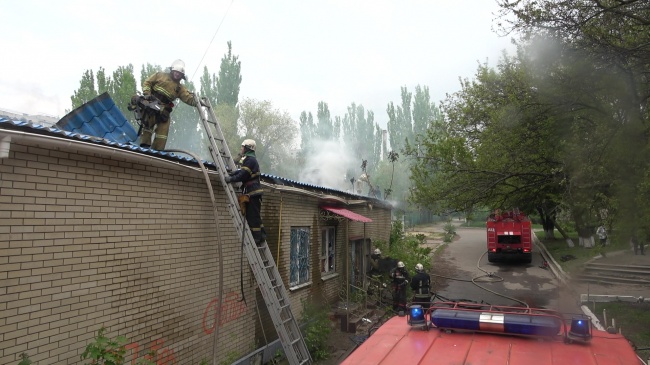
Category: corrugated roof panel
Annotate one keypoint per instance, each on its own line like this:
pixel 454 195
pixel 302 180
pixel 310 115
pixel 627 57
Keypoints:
pixel 99 117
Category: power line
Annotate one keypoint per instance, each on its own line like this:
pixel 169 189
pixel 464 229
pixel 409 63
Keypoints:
pixel 212 40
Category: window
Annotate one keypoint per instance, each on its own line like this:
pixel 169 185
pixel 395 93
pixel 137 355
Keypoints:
pixel 299 265
pixel 327 250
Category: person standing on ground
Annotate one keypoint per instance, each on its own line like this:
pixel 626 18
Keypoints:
pixel 166 87
pixel 249 175
pixel 602 235
pixel 400 277
pixel 637 245
pixel 421 285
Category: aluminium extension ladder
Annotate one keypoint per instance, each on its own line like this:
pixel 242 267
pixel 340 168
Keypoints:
pixel 260 258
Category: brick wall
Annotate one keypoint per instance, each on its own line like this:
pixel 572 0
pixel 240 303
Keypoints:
pixel 88 242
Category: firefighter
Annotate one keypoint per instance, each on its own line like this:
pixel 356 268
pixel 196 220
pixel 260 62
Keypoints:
pixel 421 285
pixel 400 277
pixel 166 87
pixel 249 175
pixel 374 263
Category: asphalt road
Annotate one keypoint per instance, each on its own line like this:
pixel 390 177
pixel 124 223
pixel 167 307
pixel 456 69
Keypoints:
pixel 461 271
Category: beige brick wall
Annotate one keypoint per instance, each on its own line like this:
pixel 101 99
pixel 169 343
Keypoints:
pixel 285 209
pixel 117 242
pixel 88 241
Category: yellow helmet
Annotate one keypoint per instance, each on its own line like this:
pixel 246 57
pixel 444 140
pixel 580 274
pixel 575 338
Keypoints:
pixel 249 143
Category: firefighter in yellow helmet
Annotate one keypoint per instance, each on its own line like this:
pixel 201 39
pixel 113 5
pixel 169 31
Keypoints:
pixel 166 87
pixel 249 175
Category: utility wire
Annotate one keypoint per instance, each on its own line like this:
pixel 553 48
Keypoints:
pixel 212 40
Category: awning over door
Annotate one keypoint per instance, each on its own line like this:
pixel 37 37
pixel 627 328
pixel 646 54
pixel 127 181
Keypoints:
pixel 348 214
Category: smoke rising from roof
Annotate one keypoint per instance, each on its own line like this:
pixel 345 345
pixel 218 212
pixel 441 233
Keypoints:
pixel 328 163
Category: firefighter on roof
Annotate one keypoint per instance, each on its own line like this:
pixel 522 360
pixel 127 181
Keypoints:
pixel 421 285
pixel 166 87
pixel 249 175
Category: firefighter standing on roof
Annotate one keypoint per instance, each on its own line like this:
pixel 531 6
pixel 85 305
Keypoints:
pixel 249 175
pixel 400 278
pixel 166 87
pixel 421 285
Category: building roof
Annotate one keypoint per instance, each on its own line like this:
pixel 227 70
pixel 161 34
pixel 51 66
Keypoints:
pixel 100 122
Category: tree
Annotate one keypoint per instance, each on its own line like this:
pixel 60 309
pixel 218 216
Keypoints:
pixel 209 86
pixel 362 136
pixel 273 130
pixel 229 79
pixel 612 103
pixel 400 124
pixel 122 87
pixel 86 91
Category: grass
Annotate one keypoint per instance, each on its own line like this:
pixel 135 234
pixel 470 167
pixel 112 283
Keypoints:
pixel 633 320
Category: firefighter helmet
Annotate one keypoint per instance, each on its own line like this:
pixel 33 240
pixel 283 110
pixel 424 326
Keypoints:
pixel 179 66
pixel 249 143
pixel 400 264
pixel 419 268
pixel 377 251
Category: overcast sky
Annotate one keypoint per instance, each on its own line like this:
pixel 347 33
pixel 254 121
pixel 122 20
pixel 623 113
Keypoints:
pixel 293 53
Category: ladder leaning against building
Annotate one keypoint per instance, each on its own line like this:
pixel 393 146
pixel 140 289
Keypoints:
pixel 259 257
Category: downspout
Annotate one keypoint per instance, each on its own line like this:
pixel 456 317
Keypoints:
pixel 347 275
pixel 277 258
pixel 5 146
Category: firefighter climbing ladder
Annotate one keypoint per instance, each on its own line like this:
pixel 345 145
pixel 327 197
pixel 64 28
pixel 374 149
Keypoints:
pixel 260 258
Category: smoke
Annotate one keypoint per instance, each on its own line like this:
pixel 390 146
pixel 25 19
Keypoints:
pixel 328 163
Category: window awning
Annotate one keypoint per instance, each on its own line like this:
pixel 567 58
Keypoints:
pixel 348 214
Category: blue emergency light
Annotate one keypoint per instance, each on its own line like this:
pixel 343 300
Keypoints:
pixel 580 329
pixel 416 316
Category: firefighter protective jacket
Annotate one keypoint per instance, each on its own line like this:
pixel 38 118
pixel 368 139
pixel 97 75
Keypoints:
pixel 249 175
pixel 162 86
pixel 421 283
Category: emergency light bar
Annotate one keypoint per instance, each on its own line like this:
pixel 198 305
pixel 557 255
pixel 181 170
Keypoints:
pixel 525 324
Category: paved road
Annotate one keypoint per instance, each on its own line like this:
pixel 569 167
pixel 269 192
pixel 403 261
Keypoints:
pixel 464 273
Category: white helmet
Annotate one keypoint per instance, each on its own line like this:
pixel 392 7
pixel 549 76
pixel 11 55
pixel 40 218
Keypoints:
pixel 249 143
pixel 179 66
pixel 377 251
pixel 400 264
pixel 419 267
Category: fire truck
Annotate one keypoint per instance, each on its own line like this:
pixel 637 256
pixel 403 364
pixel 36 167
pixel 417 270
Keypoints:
pixel 509 236
pixel 452 333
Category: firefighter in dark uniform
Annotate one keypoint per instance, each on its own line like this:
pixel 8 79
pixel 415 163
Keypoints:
pixel 166 87
pixel 421 285
pixel 400 278
pixel 249 175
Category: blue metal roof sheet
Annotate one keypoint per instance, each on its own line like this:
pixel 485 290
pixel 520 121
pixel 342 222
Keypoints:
pixel 99 117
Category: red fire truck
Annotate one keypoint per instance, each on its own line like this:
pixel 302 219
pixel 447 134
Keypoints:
pixel 471 334
pixel 509 236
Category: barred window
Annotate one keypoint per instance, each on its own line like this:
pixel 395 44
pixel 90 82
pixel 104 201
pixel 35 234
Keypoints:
pixel 299 258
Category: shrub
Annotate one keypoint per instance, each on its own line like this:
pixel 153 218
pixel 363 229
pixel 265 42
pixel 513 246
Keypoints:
pixel 105 351
pixel 316 330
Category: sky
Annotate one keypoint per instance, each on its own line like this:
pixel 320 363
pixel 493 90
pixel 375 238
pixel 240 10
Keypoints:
pixel 293 53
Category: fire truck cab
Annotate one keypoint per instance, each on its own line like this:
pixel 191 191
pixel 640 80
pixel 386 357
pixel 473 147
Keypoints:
pixel 509 237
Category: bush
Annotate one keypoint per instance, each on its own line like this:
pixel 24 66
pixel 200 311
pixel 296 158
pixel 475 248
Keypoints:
pixel 316 330
pixel 104 351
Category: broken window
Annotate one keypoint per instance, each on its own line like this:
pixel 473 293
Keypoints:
pixel 327 250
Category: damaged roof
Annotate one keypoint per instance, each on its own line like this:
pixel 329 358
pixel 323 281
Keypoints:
pixel 99 121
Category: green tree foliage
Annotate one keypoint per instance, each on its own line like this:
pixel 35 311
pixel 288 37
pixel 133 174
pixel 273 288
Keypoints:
pixel 229 79
pixel 362 136
pixel 400 122
pixel 122 86
pixel 613 98
pixel 273 131
pixel 86 91
pixel 209 86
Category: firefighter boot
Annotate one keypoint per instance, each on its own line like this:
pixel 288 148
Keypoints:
pixel 259 238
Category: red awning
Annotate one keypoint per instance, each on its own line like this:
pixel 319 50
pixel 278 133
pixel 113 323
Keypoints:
pixel 348 214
